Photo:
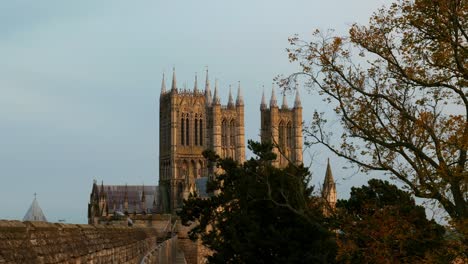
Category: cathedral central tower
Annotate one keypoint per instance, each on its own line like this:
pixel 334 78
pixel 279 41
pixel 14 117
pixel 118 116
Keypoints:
pixel 191 121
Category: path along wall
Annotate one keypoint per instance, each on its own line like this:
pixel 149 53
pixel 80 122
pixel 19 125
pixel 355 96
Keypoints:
pixel 40 242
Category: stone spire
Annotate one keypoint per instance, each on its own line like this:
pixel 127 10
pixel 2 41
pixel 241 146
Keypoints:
pixel 263 104
pixel 273 102
pixel 174 81
pixel 297 101
pixel 163 85
pixel 230 100
pixel 285 102
pixel 329 181
pixel 329 190
pixel 208 98
pixel 216 99
pixel 102 193
pixel 195 86
pixel 240 98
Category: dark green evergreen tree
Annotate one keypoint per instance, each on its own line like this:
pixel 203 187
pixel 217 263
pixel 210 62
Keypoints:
pixel 260 214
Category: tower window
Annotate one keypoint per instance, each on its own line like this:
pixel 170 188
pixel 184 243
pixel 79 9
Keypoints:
pixel 187 132
pixel 201 132
pixel 289 136
pixel 182 133
pixel 232 136
pixel 196 132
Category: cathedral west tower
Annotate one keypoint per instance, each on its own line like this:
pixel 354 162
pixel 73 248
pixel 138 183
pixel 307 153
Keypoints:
pixel 283 127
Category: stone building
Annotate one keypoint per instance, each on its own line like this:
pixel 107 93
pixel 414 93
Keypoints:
pixel 283 127
pixel 119 202
pixel 192 121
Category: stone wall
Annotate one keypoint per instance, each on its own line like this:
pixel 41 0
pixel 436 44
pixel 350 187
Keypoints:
pixel 40 242
pixel 166 252
pixel 195 252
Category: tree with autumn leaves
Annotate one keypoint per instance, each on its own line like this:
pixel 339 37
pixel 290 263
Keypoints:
pixel 380 223
pixel 399 86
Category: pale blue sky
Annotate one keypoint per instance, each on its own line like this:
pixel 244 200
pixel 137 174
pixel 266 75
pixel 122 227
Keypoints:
pixel 80 82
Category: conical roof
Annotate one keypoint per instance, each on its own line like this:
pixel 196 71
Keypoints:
pixel 329 182
pixel 34 213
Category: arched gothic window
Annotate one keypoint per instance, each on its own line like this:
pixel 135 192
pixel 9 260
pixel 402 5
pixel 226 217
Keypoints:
pixel 182 132
pixel 201 132
pixel 196 132
pixel 232 138
pixel 281 134
pixel 224 138
pixel 290 136
pixel 187 132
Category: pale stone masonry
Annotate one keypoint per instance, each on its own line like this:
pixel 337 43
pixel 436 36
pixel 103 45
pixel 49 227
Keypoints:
pixel 283 127
pixel 191 121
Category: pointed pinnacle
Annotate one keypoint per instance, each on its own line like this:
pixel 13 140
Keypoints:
pixel 263 104
pixel 163 84
pixel 174 80
pixel 216 99
pixel 273 102
pixel 297 101
pixel 285 102
pixel 195 86
pixel 230 100
pixel 328 175
pixel 208 99
pixel 240 98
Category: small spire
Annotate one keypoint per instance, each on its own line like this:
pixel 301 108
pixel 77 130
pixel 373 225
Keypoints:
pixel 163 85
pixel 273 102
pixel 174 80
pixel 102 193
pixel 263 104
pixel 216 99
pixel 329 181
pixel 240 98
pixel 195 86
pixel 297 101
pixel 230 100
pixel 143 196
pixel 285 102
pixel 208 98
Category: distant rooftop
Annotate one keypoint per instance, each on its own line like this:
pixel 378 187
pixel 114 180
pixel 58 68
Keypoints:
pixel 35 212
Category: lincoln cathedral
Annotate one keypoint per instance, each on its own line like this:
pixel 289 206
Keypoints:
pixel 191 121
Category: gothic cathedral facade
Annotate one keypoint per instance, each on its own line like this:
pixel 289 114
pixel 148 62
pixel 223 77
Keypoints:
pixel 192 121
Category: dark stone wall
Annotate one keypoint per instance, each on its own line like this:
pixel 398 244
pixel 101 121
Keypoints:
pixel 195 252
pixel 40 242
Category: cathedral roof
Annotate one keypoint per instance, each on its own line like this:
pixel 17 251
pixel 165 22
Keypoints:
pixel 116 195
pixel 200 185
pixel 34 213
